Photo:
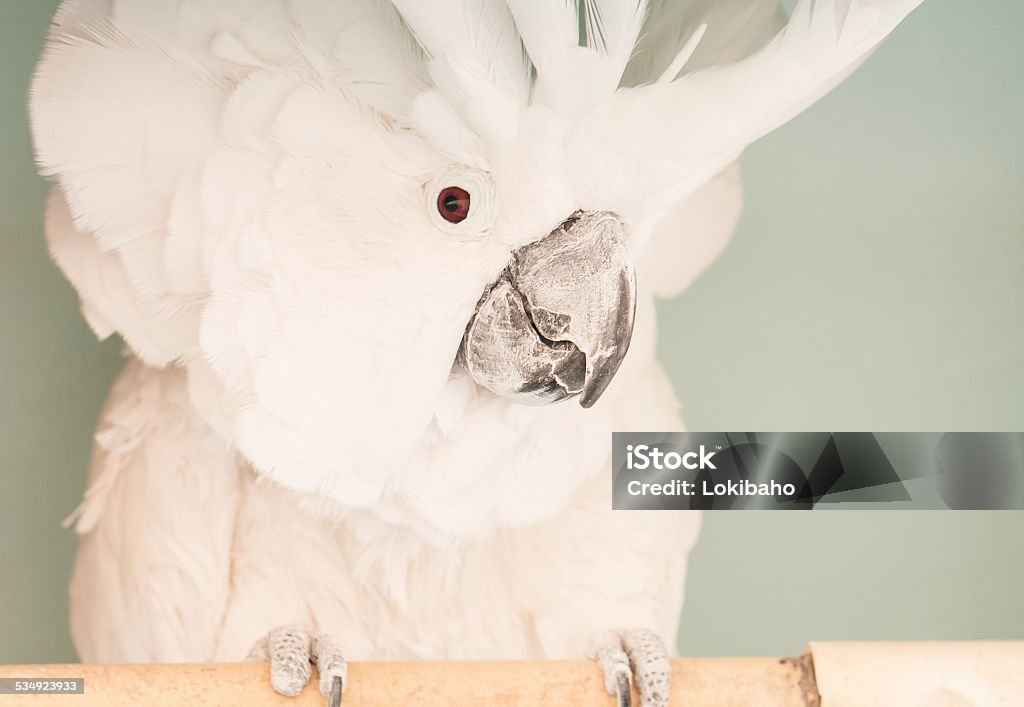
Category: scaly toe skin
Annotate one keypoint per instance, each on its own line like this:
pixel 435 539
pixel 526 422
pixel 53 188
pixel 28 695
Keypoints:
pixel 638 656
pixel 652 669
pixel 290 649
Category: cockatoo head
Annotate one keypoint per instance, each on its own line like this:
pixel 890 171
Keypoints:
pixel 332 213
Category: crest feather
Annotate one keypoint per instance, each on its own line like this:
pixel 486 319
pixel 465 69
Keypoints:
pixel 478 33
pixel 580 50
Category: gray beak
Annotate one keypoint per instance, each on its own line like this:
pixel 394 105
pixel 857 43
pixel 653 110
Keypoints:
pixel 558 320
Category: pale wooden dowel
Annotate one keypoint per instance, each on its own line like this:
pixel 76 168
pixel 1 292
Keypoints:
pixel 920 674
pixel 964 674
pixel 704 682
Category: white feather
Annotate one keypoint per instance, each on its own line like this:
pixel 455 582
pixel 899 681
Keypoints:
pixel 684 55
pixel 210 557
pixel 734 29
pixel 478 33
pixel 573 76
pixel 692 234
pixel 145 561
pixel 681 134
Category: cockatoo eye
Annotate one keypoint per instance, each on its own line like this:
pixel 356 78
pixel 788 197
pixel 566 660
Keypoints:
pixel 453 204
pixel 461 201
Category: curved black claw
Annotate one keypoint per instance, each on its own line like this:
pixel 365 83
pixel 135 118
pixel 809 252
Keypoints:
pixel 623 692
pixel 334 699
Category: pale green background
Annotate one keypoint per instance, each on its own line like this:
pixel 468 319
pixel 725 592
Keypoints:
pixel 875 283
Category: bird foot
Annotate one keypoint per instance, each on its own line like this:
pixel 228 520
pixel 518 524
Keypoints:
pixel 292 651
pixel 635 655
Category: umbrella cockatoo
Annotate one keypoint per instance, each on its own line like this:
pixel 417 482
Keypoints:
pixel 366 257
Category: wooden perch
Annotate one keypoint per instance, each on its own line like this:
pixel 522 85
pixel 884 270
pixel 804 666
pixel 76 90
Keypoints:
pixel 830 675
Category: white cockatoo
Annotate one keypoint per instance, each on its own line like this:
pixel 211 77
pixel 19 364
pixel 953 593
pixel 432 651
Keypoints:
pixel 357 249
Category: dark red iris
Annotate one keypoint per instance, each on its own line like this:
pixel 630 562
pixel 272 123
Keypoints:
pixel 453 204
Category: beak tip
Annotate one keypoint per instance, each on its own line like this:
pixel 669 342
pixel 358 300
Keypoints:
pixel 597 382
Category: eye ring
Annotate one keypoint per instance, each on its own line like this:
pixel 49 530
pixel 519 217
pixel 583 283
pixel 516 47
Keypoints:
pixel 453 204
